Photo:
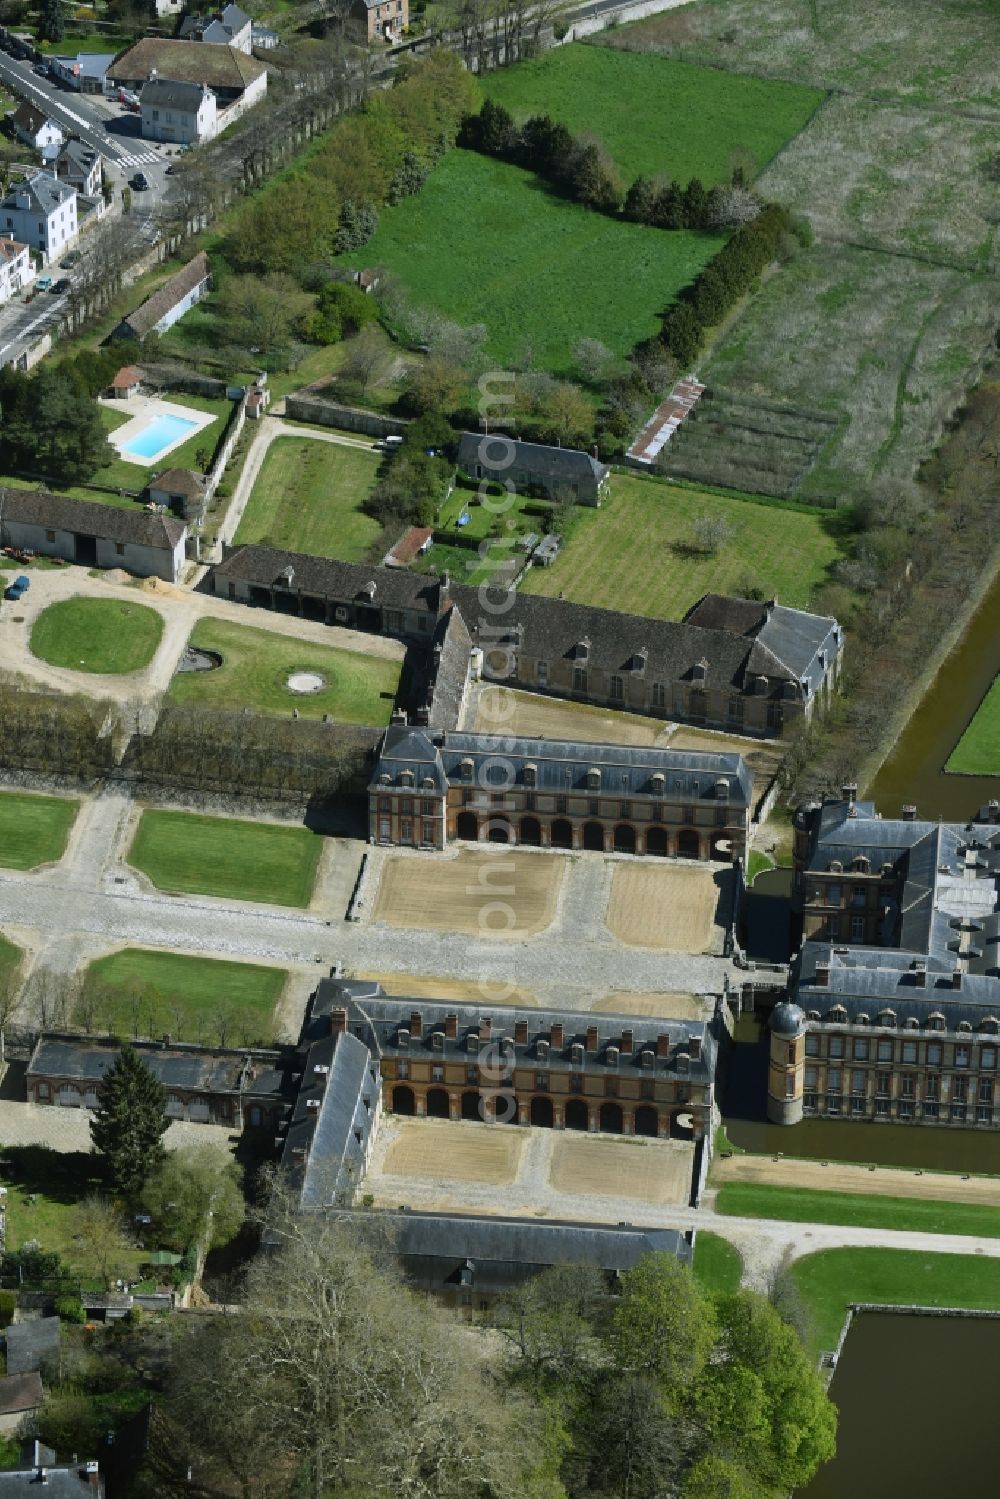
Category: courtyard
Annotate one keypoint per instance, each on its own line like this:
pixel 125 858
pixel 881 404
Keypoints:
pixel 506 1170
pixel 671 907
pixel 502 894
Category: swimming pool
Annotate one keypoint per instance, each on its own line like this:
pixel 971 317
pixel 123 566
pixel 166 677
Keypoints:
pixel 162 432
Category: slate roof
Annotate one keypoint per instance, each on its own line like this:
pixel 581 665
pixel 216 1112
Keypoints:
pixel 448 669
pixel 562 765
pixel 31 1344
pixel 334 1113
pixel 165 298
pixel 170 93
pixel 78 155
pixel 60 1483
pixel 43 190
pixel 191 1070
pixel 178 481
pixel 395 587
pixel 717 611
pixel 58 512
pixel 494 452
pixel 21 1392
pixel 217 66
pixel 790 639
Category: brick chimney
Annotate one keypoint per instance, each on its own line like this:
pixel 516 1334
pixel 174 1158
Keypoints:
pixel 338 1021
pixel 416 1024
pixel 520 1033
pixel 485 1028
pixel 663 1046
pixel 451 1026
pixel 591 1037
pixel 556 1036
pixel 628 1039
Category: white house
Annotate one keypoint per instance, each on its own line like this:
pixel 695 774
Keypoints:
pixel 85 72
pixel 142 542
pixel 35 128
pixel 231 27
pixel 41 212
pixel 181 112
pixel 16 269
pixel 79 165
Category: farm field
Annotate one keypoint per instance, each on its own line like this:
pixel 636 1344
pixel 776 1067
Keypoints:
pixel 484 242
pixel 830 1280
pixel 104 636
pixel 977 753
pixel 459 894
pixel 34 829
pixel 188 998
pixel 694 118
pixel 884 323
pixel 670 907
pixel 308 497
pixel 256 667
pixel 506 710
pixel 226 857
pixel 640 545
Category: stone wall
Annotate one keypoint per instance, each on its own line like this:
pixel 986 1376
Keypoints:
pixel 349 418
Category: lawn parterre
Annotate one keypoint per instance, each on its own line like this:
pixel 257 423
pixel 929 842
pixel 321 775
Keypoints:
pixel 977 753
pixel 308 498
pixel 830 1280
pixel 34 829
pixel 857 1209
pixel 188 998
pixel 256 666
pixel 693 119
pixel 718 1267
pixel 639 547
pixel 485 242
pixel 226 857
pixel 105 636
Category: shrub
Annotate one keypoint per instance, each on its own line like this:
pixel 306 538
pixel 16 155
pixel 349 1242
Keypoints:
pixel 70 1309
pixel 8 1305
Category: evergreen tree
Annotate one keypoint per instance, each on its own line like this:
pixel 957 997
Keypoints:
pixel 50 27
pixel 128 1122
pixel 640 201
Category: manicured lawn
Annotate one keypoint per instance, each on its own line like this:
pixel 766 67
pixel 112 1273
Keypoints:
pixel 10 959
pixel 977 753
pixel 639 547
pixel 226 857
pixel 256 667
pixel 33 829
pixel 757 863
pixel 858 1209
pixel 485 242
pixel 717 1265
pixel 830 1280
pixel 693 118
pixel 188 998
pixel 97 635
pixel 308 498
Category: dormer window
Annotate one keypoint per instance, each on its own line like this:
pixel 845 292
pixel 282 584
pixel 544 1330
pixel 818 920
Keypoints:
pixel 406 778
pixel 722 791
pixel 657 782
pixel 467 768
pixel 531 775
pixel 887 1018
pixel 699 671
pixel 593 779
pixel 428 783
pixel 583 649
pixel 861 864
pixel 838 1014
pixel 760 686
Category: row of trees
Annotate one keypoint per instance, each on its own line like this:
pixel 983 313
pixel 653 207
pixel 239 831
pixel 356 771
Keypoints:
pixel 580 168
pixel 659 1392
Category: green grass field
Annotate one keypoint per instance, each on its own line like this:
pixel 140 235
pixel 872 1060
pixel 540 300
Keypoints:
pixel 256 667
pixel 485 242
pixel 104 636
pixel 34 829
pixel 692 118
pixel 638 547
pixel 977 753
pixel 187 998
pixel 44 1191
pixel 718 1267
pixel 830 1280
pixel 225 857
pixel 308 497
pixel 10 960
pixel 858 1210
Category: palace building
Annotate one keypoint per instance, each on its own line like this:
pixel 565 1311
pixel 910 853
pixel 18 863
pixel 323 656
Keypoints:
pixel 428 789
pixel 895 1011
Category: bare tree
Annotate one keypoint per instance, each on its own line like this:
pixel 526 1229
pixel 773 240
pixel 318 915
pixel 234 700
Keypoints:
pixel 10 1002
pixel 363 357
pixel 711 533
pixel 102 1244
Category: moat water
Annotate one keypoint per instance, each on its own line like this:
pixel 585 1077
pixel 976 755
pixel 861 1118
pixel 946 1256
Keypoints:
pixel 915 772
pixel 917 1399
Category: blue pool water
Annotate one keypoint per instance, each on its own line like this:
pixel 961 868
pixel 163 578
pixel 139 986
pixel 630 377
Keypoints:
pixel 160 434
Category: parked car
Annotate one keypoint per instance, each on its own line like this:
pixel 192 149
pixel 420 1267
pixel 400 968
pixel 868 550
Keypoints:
pixel 42 69
pixel 20 585
pixel 43 283
pixel 139 183
pixel 73 258
pixel 62 286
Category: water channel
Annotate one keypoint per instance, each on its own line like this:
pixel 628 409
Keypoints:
pixel 917 1400
pixel 915 772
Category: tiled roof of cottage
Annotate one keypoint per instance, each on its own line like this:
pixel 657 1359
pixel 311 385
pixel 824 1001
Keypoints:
pixel 217 66
pixel 167 296
pixel 495 452
pixel 58 512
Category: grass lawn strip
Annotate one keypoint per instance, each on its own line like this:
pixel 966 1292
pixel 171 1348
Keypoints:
pixel 10 960
pixel 693 119
pixel 858 1210
pixel 830 1280
pixel 485 242
pixel 718 1266
pixel 639 546
pixel 34 829
pixel 226 857
pixel 977 753
pixel 256 667
pixel 308 497
pixel 105 636
pixel 188 998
